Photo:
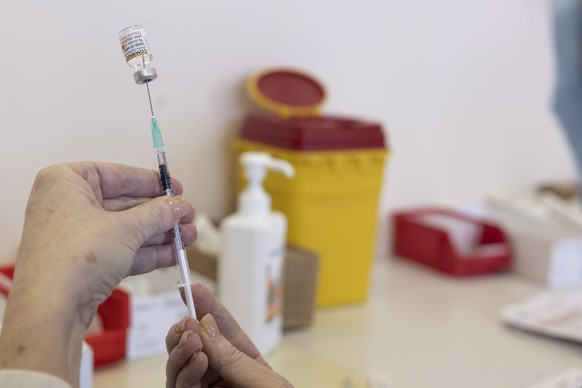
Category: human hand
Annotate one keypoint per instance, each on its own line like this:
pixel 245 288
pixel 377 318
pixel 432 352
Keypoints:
pixel 95 223
pixel 216 352
pixel 87 226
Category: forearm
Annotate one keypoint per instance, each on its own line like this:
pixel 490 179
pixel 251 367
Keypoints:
pixel 43 329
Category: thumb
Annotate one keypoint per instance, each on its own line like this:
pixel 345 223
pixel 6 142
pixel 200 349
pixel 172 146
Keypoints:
pixel 157 215
pixel 232 365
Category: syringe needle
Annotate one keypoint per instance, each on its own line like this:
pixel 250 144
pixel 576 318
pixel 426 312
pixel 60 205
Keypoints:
pixel 150 98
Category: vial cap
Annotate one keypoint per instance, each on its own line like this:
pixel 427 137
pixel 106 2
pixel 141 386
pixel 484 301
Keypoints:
pixel 145 75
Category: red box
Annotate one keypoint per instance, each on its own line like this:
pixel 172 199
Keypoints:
pixel 430 236
pixel 109 346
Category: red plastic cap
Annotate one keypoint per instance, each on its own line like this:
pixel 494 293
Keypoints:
pixel 291 88
pixel 287 92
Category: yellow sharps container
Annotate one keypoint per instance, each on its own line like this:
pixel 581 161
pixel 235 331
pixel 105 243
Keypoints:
pixel 332 202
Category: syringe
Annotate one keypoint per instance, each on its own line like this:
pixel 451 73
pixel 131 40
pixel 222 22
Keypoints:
pixel 135 46
pixel 166 183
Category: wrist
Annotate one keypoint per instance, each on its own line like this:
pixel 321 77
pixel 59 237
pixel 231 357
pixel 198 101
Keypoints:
pixel 57 281
pixel 44 327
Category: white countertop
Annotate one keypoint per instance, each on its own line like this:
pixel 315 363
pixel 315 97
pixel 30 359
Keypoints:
pixel 419 328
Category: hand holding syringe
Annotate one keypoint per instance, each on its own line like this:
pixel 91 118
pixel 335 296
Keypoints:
pixel 138 55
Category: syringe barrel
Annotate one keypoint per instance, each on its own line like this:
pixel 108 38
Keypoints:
pixel 176 233
pixel 184 268
pixel 177 241
pixel 165 178
pixel 181 259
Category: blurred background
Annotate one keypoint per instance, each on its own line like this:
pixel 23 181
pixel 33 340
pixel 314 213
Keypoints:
pixel 463 90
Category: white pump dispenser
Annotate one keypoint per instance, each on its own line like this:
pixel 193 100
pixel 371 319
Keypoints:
pixel 254 201
pixel 251 255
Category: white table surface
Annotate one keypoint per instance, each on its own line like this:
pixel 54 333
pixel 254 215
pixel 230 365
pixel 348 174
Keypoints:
pixel 419 328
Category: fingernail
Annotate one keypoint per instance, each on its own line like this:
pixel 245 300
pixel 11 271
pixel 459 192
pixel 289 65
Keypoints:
pixel 209 325
pixel 184 339
pixel 179 206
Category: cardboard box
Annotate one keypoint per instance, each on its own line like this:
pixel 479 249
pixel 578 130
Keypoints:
pixel 155 305
pixel 202 263
pixel 300 273
pixel 86 372
pixel 543 250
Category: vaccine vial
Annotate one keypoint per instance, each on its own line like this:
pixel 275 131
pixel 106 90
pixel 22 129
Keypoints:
pixel 135 46
pixel 137 52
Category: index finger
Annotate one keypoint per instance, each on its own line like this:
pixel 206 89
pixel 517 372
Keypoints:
pixel 206 303
pixel 116 180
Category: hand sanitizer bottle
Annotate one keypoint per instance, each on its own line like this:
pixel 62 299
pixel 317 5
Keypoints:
pixel 251 256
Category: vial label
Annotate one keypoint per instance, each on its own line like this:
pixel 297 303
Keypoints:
pixel 134 43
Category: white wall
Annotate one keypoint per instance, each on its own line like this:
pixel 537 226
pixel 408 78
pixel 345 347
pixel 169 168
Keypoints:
pixel 462 87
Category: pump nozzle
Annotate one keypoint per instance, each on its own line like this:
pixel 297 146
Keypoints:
pixel 254 200
pixel 261 160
